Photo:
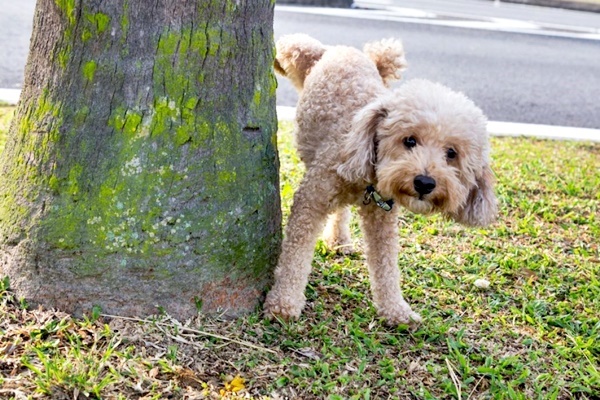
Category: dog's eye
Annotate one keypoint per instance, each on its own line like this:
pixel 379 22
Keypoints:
pixel 451 154
pixel 410 142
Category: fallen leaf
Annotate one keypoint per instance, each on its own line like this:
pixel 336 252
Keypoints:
pixel 235 385
pixel 309 353
pixel 153 372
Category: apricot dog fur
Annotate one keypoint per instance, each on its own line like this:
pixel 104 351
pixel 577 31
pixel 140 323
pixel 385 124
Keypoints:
pixel 422 145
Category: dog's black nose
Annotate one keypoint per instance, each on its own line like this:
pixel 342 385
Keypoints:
pixel 424 184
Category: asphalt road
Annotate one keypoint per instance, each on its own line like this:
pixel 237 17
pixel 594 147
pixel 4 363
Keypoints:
pixel 511 76
pixel 547 16
pixel 16 22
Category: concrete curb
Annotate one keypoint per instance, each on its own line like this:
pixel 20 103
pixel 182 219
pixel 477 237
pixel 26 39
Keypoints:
pixel 497 128
pixel 10 96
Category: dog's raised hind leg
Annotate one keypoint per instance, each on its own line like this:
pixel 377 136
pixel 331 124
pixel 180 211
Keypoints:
pixel 337 235
pixel 380 230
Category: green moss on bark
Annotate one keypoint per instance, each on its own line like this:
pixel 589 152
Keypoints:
pixel 125 20
pixel 89 69
pixel 68 9
pixel 131 212
pixel 99 20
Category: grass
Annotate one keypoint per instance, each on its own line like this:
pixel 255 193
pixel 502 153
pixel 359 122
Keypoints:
pixel 533 334
pixel 6 113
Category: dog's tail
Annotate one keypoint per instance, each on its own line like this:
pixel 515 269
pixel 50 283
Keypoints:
pixel 388 56
pixel 296 55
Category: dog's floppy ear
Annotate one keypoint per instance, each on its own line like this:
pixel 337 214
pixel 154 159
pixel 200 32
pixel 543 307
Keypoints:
pixel 359 152
pixel 481 207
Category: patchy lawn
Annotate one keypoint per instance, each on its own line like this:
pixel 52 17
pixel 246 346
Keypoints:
pixel 533 334
pixel 6 114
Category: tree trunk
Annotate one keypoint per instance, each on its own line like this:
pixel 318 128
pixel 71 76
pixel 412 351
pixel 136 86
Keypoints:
pixel 141 165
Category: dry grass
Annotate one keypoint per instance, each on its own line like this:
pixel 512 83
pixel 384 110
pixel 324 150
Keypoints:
pixel 534 334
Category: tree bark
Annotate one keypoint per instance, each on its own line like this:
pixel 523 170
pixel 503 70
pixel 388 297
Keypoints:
pixel 141 167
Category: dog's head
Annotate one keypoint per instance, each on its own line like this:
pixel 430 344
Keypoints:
pixel 427 148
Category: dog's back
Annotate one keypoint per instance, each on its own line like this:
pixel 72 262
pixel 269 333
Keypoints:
pixel 334 83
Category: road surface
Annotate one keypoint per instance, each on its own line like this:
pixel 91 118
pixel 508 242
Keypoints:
pixel 512 76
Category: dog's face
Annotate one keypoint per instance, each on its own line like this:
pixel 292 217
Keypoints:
pixel 426 147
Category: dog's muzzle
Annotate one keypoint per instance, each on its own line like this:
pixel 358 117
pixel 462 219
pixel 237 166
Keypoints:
pixel 424 184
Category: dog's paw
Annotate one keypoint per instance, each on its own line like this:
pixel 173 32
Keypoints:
pixel 400 316
pixel 281 306
pixel 345 249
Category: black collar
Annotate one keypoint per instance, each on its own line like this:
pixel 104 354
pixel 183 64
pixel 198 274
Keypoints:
pixel 371 193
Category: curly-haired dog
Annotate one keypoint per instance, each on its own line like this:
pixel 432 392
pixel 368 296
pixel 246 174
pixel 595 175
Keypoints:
pixel 422 146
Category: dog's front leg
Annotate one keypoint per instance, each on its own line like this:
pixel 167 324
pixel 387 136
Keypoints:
pixel 380 231
pixel 307 218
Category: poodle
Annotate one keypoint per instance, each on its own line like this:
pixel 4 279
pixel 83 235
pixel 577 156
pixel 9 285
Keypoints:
pixel 421 146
